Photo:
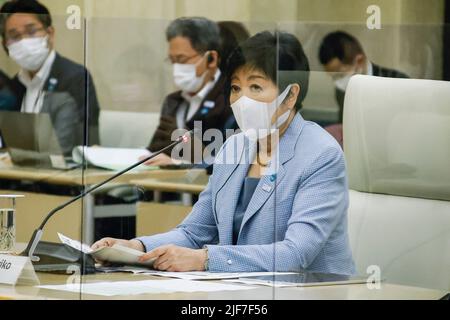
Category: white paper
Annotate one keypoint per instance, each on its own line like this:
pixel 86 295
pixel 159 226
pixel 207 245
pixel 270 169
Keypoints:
pixel 201 275
pixel 74 244
pixel 111 158
pixel 192 275
pixel 268 283
pixel 124 288
pixel 283 284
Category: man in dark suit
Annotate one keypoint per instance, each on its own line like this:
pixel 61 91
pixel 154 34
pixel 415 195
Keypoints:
pixel 194 45
pixel 342 56
pixel 48 82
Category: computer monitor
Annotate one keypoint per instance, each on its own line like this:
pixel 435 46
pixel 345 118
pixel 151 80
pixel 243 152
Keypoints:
pixel 31 140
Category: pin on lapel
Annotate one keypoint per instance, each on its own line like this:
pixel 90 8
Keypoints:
pixel 52 82
pixel 209 104
pixel 267 188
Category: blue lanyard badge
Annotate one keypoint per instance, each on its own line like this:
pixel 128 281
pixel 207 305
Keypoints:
pixel 52 82
pixel 207 105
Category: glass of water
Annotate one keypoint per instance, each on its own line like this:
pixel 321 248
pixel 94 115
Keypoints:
pixel 8 222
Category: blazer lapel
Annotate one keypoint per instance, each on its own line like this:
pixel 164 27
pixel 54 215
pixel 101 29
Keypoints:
pixel 237 164
pixel 268 183
pixel 232 159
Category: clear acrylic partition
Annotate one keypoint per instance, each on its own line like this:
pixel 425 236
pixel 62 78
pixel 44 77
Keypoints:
pixel 395 141
pixel 128 60
pixel 395 136
pixel 39 129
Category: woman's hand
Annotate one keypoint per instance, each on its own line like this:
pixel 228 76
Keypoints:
pixel 109 242
pixel 176 259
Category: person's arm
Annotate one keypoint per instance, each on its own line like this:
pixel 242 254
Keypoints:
pixel 320 203
pixel 81 85
pixel 167 124
pixel 94 112
pixel 63 113
pixel 197 229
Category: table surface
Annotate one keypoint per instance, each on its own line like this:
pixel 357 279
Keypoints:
pixel 76 177
pixel 353 291
pixel 191 181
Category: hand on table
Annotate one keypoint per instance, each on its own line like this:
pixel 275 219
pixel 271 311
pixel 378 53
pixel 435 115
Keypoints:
pixel 176 259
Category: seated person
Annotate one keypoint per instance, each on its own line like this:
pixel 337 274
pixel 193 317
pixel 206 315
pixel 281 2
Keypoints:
pixel 48 82
pixel 289 214
pixel 343 56
pixel 194 45
pixel 232 34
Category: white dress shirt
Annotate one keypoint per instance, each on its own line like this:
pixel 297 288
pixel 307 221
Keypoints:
pixel 369 68
pixel 34 97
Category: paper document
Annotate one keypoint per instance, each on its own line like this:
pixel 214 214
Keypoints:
pixel 204 275
pixel 74 244
pixel 124 288
pixel 192 275
pixel 116 254
pixel 274 284
pixel 300 280
pixel 110 158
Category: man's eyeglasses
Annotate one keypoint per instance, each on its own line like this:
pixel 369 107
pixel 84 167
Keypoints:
pixel 14 37
pixel 181 59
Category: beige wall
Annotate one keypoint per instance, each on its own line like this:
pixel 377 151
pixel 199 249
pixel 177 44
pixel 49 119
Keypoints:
pixel 393 11
pixel 124 45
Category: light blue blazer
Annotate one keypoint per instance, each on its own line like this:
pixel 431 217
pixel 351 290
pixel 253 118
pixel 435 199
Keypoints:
pixel 296 220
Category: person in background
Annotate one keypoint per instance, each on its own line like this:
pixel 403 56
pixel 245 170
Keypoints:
pixel 232 34
pixel 194 51
pixel 48 82
pixel 282 209
pixel 342 56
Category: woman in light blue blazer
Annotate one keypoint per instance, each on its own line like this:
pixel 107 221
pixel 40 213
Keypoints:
pixel 278 196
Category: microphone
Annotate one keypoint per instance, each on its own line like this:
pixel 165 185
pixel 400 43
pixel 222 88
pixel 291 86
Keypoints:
pixel 37 234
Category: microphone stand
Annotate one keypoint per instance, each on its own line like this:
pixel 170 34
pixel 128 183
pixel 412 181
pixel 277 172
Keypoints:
pixel 37 234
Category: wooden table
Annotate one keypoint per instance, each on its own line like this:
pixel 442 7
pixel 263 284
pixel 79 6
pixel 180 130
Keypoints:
pixel 347 292
pixel 77 220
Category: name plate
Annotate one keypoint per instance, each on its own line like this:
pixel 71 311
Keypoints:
pixel 17 270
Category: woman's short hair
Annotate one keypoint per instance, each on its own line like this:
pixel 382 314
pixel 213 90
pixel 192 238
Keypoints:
pixel 278 55
pixel 232 34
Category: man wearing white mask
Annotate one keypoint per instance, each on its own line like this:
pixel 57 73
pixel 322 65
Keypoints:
pixel 194 45
pixel 48 82
pixel 342 56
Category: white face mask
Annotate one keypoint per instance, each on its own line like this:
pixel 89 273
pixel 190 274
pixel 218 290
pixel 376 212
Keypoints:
pixel 30 53
pixel 342 83
pixel 185 77
pixel 255 117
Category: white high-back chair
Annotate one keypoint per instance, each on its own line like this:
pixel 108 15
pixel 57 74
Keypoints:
pixel 397 147
pixel 127 129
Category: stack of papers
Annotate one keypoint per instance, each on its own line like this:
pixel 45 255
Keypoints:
pixel 124 288
pixel 116 254
pixel 110 158
pixel 193 275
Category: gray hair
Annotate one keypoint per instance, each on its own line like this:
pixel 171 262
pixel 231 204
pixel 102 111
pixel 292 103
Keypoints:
pixel 203 34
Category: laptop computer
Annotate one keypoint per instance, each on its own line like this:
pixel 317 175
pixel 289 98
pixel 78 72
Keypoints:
pixel 31 140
